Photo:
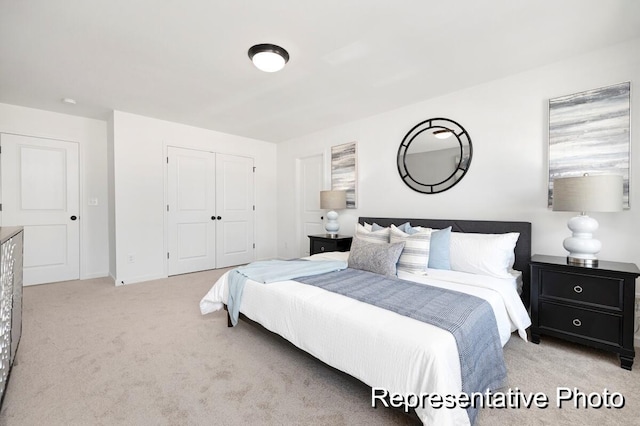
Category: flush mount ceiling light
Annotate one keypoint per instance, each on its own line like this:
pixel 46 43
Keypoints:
pixel 442 133
pixel 268 57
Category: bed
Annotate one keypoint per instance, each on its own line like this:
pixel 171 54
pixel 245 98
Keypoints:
pixel 379 347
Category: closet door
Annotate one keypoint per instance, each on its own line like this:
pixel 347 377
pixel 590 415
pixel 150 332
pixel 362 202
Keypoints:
pixel 191 210
pixel 235 210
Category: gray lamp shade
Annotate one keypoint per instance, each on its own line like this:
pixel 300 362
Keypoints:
pixel 333 200
pixel 598 193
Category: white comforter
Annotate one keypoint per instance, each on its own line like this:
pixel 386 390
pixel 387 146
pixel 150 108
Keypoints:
pixel 379 347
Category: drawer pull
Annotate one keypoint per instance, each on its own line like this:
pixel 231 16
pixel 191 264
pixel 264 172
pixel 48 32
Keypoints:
pixel 322 248
pixel 577 322
pixel 577 289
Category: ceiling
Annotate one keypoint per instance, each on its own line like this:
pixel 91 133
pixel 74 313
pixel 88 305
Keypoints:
pixel 186 61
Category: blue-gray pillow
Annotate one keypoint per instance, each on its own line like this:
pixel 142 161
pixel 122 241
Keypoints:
pixel 376 227
pixel 405 227
pixel 439 250
pixel 380 258
pixel 411 230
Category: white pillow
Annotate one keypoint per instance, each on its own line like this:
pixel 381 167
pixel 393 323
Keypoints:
pixel 380 236
pixel 485 254
pixel 415 255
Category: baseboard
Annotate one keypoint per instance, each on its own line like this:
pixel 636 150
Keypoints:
pixel 121 281
pixel 95 275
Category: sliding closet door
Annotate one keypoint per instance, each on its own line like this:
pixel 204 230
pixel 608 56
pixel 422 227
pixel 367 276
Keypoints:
pixel 40 191
pixel 235 210
pixel 191 210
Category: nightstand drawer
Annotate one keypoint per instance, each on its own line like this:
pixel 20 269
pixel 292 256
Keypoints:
pixel 324 243
pixel 587 324
pixel 323 246
pixel 602 291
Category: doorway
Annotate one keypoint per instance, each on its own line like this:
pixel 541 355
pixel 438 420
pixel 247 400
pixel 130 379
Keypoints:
pixel 40 191
pixel 311 181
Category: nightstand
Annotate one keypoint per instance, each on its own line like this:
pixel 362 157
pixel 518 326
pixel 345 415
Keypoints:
pixel 589 305
pixel 323 243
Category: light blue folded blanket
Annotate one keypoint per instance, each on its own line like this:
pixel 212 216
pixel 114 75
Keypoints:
pixel 269 271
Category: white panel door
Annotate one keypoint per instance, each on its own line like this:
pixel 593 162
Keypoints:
pixel 40 191
pixel 310 177
pixel 191 210
pixel 234 210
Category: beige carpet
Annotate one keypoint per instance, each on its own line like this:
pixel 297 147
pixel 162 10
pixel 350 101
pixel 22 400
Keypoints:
pixel 95 354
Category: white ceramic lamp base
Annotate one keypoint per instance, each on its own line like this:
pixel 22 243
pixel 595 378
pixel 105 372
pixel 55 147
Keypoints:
pixel 582 247
pixel 332 226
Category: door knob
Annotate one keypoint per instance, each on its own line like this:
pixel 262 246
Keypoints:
pixel 73 217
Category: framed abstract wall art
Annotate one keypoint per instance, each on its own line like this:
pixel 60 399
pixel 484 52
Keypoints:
pixel 344 171
pixel 589 133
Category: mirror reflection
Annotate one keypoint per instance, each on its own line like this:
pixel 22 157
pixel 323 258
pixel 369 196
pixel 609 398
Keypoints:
pixel 434 155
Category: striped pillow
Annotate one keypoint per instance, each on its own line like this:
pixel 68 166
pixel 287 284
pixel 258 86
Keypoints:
pixel 381 236
pixel 415 255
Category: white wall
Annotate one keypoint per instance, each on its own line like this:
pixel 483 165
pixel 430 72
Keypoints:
pixel 139 159
pixel 111 191
pixel 507 120
pixel 91 135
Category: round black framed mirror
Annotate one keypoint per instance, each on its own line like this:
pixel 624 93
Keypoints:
pixel 434 156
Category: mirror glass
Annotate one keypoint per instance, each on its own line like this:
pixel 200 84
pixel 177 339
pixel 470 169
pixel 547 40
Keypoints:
pixel 434 155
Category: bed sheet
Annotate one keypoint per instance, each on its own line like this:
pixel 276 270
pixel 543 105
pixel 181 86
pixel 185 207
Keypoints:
pixel 379 347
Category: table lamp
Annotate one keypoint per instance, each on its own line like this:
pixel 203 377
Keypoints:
pixel 333 200
pixel 588 193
